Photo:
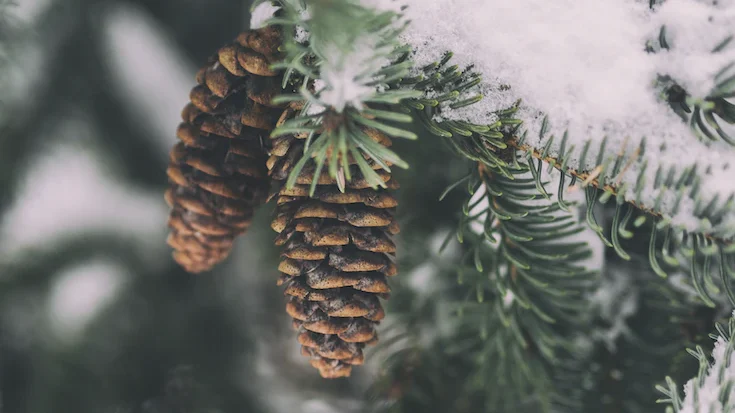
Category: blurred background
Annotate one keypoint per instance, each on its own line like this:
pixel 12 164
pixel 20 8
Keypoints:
pixel 96 317
pixel 94 314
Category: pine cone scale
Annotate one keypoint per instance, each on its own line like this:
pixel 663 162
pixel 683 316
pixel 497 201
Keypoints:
pixel 264 41
pixel 218 170
pixel 336 257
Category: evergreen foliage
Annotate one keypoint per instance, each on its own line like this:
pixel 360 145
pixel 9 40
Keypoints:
pixel 526 292
pixel 529 282
pixel 711 390
pixel 343 38
pixel 166 342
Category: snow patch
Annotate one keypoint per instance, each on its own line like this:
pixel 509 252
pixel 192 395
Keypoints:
pixel 588 70
pixel 394 6
pixel 721 371
pixel 80 293
pixel 693 29
pixel 423 279
pixel 68 191
pixel 261 14
pixel 152 77
pixel 347 76
pixel 616 300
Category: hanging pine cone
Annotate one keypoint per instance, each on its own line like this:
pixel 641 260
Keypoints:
pixel 338 252
pixel 217 172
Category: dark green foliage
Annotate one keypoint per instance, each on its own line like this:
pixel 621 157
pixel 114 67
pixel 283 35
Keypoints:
pixel 449 85
pixel 720 370
pixel 510 319
pixel 482 365
pixel 549 299
pixel 125 357
pixel 517 301
pixel 168 343
pixel 664 323
pixel 499 144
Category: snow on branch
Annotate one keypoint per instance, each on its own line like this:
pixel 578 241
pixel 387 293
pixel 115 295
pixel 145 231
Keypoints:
pixel 713 390
pixel 348 78
pixel 601 69
pixel 351 49
pixel 341 60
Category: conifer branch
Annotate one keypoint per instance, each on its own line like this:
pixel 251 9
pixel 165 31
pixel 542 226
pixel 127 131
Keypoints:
pixel 701 113
pixel 519 298
pixel 343 65
pixel 693 244
pixel 713 390
pixel 498 145
pixel 591 178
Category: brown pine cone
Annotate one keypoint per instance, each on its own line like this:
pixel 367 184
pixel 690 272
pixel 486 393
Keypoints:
pixel 337 254
pixel 217 172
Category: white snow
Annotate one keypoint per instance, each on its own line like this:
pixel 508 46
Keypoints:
pixel 694 29
pixel 616 300
pixel 154 78
pixel 720 372
pixel 80 293
pixel 583 64
pixel 384 5
pixel 346 75
pixel 28 10
pixel 424 279
pixel 347 63
pixel 25 58
pixel 508 299
pixel 68 190
pixel 261 13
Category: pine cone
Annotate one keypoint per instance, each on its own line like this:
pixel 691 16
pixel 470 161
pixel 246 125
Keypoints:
pixel 338 252
pixel 217 172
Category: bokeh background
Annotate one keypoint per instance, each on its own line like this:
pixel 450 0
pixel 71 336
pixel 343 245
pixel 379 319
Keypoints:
pixel 96 317
pixel 94 314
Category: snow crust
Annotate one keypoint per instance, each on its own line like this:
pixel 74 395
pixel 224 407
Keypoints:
pixel 584 64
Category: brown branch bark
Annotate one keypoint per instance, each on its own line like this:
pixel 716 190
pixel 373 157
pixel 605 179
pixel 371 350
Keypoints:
pixel 590 178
